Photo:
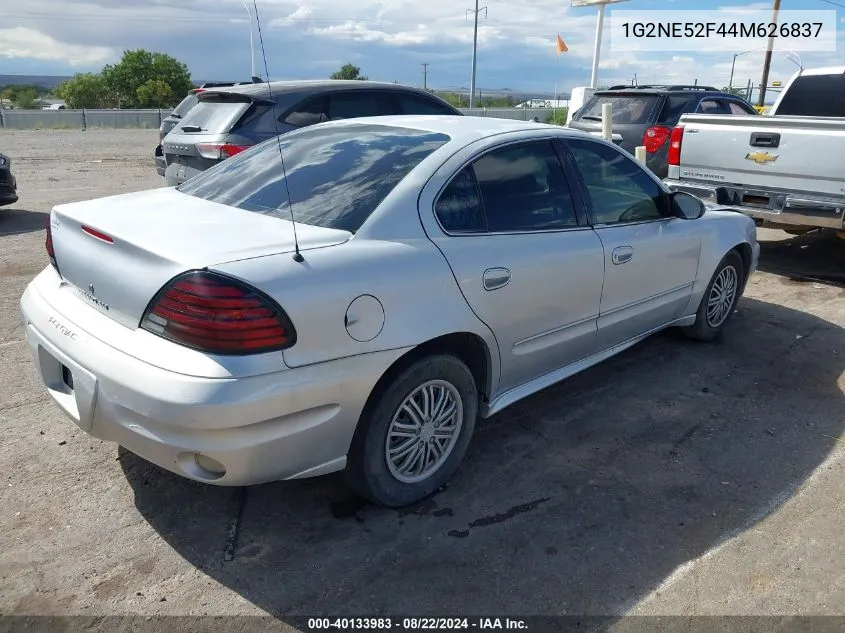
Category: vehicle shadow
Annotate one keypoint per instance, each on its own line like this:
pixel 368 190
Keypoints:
pixel 579 500
pixel 817 256
pixel 16 221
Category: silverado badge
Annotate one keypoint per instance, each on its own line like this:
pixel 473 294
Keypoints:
pixel 761 158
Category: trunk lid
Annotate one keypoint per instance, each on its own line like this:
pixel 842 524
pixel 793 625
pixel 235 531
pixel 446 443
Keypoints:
pixel 795 153
pixel 155 235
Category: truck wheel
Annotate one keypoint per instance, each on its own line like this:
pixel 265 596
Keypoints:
pixel 415 436
pixel 719 300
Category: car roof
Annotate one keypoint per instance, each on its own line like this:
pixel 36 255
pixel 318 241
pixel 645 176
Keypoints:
pixel 653 89
pixel 315 86
pixel 461 129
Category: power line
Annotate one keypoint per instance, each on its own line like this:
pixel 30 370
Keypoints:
pixel 835 4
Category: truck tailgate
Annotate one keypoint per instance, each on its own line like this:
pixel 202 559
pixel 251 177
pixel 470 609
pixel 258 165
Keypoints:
pixel 792 153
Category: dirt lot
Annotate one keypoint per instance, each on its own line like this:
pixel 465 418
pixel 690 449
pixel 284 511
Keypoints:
pixel 678 478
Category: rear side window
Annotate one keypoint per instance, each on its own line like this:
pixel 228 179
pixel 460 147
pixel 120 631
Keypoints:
pixel 634 109
pixel 414 104
pixel 524 189
pixel 348 105
pixel 459 206
pixel 185 105
pixel 214 117
pixel 815 95
pixel 336 177
pixel 308 112
pixel 674 107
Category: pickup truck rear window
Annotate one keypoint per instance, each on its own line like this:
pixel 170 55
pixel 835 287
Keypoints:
pixel 814 95
pixel 626 108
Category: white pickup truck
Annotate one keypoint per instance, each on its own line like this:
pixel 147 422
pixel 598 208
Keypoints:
pixel 785 169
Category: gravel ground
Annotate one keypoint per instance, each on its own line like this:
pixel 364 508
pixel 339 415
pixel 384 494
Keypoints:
pixel 677 478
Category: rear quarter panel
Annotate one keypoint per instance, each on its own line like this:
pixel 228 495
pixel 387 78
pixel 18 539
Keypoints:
pixel 408 277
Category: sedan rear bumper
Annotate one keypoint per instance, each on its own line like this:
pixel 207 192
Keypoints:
pixel 289 424
pixel 776 207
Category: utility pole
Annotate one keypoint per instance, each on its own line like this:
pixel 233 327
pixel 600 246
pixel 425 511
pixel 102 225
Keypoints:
pixel 474 50
pixel 425 76
pixel 767 62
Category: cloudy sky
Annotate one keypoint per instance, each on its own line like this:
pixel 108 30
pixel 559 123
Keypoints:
pixel 388 39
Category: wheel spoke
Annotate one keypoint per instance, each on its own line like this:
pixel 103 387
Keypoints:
pixel 424 431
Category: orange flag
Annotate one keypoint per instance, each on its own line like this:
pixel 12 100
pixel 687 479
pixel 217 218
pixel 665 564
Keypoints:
pixel 561 45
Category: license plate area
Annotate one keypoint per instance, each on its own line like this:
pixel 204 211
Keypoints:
pixel 756 200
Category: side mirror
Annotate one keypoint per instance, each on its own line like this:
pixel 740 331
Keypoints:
pixel 686 206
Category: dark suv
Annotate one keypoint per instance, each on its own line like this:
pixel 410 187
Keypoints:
pixel 226 121
pixel 645 115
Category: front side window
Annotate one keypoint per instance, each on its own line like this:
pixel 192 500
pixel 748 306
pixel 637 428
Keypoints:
pixel 336 177
pixel 349 105
pixel 524 188
pixel 740 109
pixel 618 188
pixel 713 106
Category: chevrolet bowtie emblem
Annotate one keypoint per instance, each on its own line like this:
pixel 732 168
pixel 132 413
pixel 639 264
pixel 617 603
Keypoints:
pixel 761 158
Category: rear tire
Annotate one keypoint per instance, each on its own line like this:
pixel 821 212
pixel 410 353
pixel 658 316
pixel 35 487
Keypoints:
pixel 719 300
pixel 413 437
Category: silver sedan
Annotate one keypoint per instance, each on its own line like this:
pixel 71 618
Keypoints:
pixel 354 295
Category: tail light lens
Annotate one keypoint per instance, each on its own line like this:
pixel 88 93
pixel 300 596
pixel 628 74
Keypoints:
pixel 220 151
pixel 655 137
pixel 48 245
pixel 217 314
pixel 675 140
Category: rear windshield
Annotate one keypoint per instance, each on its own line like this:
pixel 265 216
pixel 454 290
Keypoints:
pixel 336 177
pixel 214 117
pixel 819 95
pixel 626 109
pixel 186 104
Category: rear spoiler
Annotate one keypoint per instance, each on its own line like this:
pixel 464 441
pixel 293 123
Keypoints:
pixel 226 96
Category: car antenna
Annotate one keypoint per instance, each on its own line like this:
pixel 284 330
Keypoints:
pixel 297 255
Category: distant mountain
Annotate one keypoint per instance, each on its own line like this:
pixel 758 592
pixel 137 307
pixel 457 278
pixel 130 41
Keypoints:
pixel 48 81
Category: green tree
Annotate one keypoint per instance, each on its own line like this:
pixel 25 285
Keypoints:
pixel 557 116
pixel 156 93
pixel 26 98
pixel 138 67
pixel 83 90
pixel 348 71
pixel 737 92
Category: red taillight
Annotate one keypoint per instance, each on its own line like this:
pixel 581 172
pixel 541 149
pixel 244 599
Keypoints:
pixel 674 156
pixel 216 314
pixel 219 151
pixel 99 235
pixel 48 245
pixel 655 137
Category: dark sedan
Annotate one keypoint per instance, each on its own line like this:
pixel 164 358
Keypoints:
pixel 8 184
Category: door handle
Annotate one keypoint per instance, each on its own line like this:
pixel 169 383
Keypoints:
pixel 495 278
pixel 622 255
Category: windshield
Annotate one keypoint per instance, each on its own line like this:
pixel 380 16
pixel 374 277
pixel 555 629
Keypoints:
pixel 336 177
pixel 626 109
pixel 213 116
pixel 814 95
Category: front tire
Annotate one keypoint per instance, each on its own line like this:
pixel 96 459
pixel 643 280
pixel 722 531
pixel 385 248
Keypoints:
pixel 413 437
pixel 719 300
